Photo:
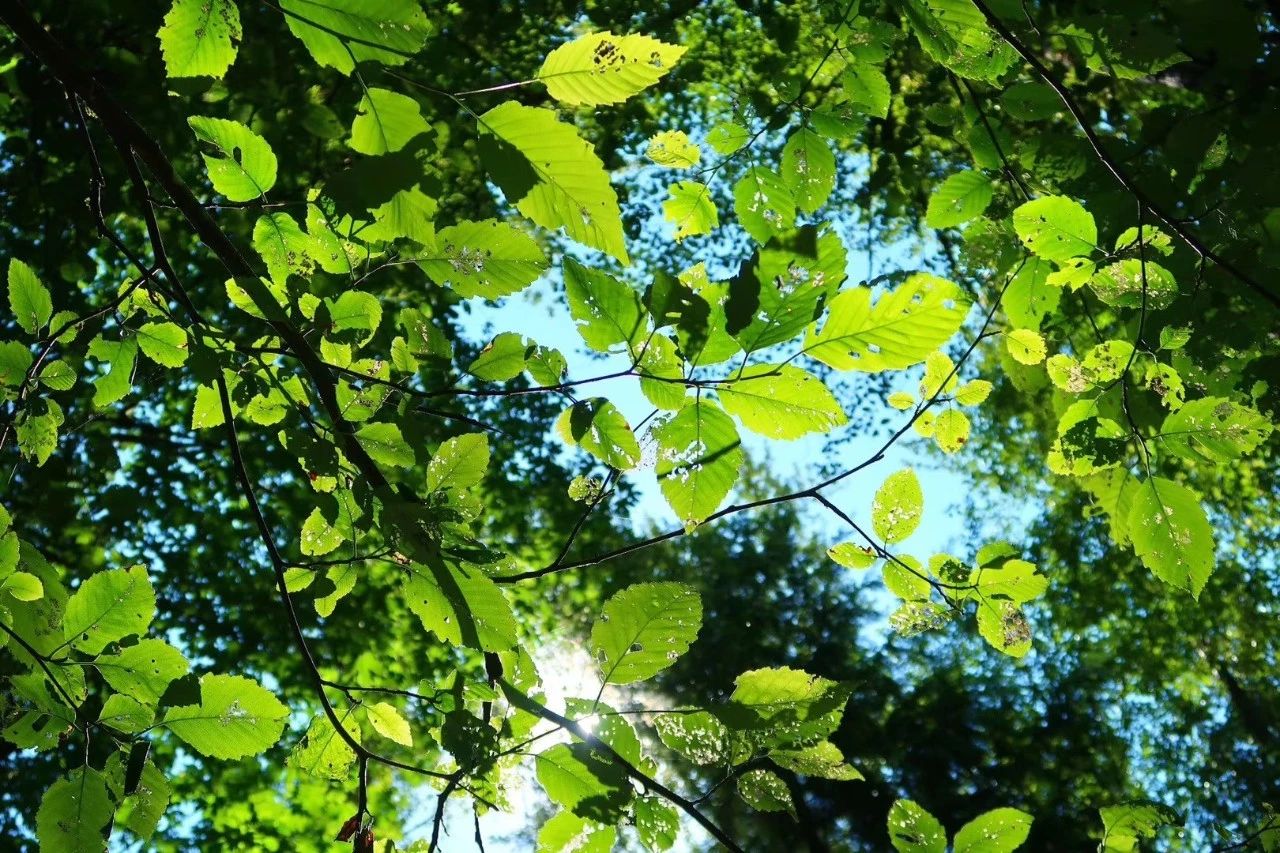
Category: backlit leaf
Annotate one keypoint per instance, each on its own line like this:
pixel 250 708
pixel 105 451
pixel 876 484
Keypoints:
pixel 914 830
pixel 603 68
pixel 781 401
pixel 596 425
pixel 28 298
pixel 690 208
pixel 489 259
pixel 243 166
pixel 997 831
pixel 899 330
pixel 236 717
pixel 699 455
pixel 556 180
pixel 199 38
pixel 643 630
pixel 1056 228
pixel 107 607
pixel 898 505
pixel 1172 535
pixel 341 33
pixel 958 199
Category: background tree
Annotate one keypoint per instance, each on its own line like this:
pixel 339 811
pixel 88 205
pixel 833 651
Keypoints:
pixel 285 543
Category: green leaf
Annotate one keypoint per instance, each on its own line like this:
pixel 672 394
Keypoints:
pixel 109 606
pixel 853 556
pixel 1031 101
pixel 764 204
pixel 556 179
pixel 898 505
pixel 501 359
pixel 341 580
pixel 905 578
pixel 15 361
pixel 57 376
pixel 1175 337
pixel 657 823
pixel 583 781
pixel 460 463
pixel 326 529
pixel 997 831
pixel 141 810
pixel 568 833
pixel 244 167
pixel 783 290
pixel 1124 824
pixel 1026 346
pixel 958 199
pixel 822 760
pixel 461 605
pixel 661 370
pixel 602 68
pixel 1030 297
pixel 1056 228
pixel 547 366
pixel 673 148
pixel 408 213
pixel 1214 429
pixel 765 791
pixel 809 169
pixel 1122 285
pixel 385 445
pixel 23 586
pixel 342 33
pixel 37 430
pixel 728 137
pixel 1087 442
pixel 867 88
pixel 73 814
pixel 691 209
pixel 28 298
pixel 597 426
pixel 1015 580
pixel 355 310
pixel 973 392
pixel 781 401
pixel 951 430
pixel 610 727
pixel 900 330
pixel 236 717
pixel 785 708
pixel 199 38
pixel 914 830
pixel 126 714
pixel 1172 535
pixel 699 456
pixel 389 723
pixel 696 735
pixel 323 753
pixel 143 670
pixel 164 343
pixel 607 311
pixel 955 34
pixel 643 629
pixel 284 247
pixel 385 122
pixel 489 259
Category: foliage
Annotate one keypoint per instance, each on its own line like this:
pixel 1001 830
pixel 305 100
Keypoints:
pixel 281 541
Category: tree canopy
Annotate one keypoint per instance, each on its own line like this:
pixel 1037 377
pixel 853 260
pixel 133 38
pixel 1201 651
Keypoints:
pixel 429 425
